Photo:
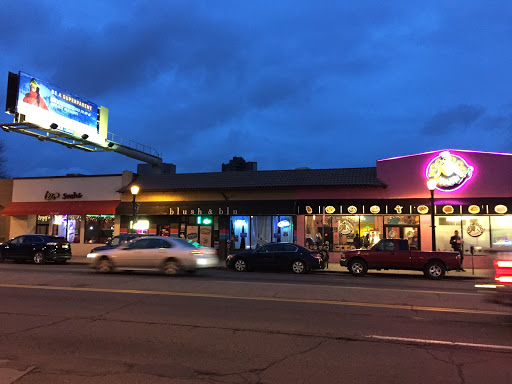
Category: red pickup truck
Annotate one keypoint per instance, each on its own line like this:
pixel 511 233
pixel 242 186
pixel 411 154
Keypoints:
pixel 395 254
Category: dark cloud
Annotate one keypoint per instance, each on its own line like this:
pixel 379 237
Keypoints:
pixel 286 84
pixel 460 117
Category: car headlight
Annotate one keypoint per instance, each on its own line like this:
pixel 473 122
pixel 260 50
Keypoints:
pixel 92 255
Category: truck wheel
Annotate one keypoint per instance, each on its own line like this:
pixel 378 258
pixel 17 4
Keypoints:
pixel 434 270
pixel 358 267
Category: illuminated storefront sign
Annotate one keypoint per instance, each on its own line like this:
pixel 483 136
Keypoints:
pixel 283 224
pixel 65 196
pixel 450 171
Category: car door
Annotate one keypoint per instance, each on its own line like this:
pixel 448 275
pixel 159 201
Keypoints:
pixel 283 254
pixel 13 249
pixel 264 256
pixel 133 255
pixel 382 255
pixel 17 247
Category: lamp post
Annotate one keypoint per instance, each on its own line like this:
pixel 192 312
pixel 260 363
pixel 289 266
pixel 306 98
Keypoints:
pixel 134 190
pixel 431 184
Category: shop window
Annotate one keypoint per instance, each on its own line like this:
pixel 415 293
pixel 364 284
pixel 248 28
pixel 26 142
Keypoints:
pixel 282 228
pixel 402 220
pixel 261 231
pixel 501 231
pixel 476 232
pixel 339 233
pixel 270 229
pixel 98 228
pixel 43 224
pixel 239 231
pixel 66 226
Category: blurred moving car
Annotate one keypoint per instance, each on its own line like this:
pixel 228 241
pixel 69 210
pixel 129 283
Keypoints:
pixel 37 248
pixel 167 254
pixel 500 290
pixel 283 256
pixel 118 240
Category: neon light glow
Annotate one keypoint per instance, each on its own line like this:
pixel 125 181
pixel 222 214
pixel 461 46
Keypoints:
pixel 450 171
pixel 283 224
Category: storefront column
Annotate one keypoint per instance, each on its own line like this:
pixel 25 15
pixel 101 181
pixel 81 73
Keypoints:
pixel 425 233
pixel 301 222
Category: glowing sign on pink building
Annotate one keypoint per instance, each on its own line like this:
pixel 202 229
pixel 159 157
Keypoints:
pixel 450 171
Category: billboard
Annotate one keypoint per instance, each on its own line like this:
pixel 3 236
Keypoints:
pixel 52 107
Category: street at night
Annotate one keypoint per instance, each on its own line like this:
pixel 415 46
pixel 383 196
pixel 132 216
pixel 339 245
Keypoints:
pixel 68 324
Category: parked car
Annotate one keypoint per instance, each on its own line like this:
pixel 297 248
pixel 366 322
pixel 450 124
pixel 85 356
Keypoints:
pixel 167 254
pixel 118 240
pixel 284 256
pixel 37 248
pixel 395 254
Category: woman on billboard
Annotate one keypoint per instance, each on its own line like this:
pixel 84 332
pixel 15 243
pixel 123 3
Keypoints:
pixel 33 97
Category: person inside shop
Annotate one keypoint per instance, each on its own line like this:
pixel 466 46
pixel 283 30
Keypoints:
pixel 366 241
pixel 33 97
pixel 357 241
pixel 458 246
pixel 318 241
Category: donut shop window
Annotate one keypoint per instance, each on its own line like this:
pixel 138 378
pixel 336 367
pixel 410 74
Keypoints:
pixel 337 232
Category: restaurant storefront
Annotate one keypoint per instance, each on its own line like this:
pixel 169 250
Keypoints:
pixel 473 195
pixel 241 225
pixel 79 208
pixel 339 209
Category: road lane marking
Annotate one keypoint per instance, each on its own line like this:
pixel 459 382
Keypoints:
pixel 440 342
pixel 261 298
pixel 361 288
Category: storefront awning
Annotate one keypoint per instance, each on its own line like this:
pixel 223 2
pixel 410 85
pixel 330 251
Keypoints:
pixel 99 207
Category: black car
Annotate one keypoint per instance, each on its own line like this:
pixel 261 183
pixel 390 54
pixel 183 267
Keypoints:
pixel 38 248
pixel 118 240
pixel 284 256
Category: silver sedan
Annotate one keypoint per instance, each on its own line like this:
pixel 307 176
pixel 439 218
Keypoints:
pixel 167 254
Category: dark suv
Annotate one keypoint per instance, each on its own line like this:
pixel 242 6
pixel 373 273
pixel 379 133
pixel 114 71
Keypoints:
pixel 118 240
pixel 38 248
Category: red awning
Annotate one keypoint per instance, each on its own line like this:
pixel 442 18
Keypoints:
pixel 99 207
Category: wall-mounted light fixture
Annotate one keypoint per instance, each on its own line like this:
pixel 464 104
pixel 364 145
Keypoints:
pixel 54 126
pixel 85 136
pixel 111 144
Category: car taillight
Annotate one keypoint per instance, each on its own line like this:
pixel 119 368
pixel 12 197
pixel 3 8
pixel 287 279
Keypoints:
pixel 503 271
pixel 197 252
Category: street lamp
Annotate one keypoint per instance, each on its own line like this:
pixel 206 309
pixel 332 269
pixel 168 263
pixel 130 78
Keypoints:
pixel 134 189
pixel 432 184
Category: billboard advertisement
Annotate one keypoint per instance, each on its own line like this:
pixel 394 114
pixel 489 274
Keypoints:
pixel 52 107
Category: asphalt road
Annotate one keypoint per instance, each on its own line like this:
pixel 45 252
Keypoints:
pixel 67 324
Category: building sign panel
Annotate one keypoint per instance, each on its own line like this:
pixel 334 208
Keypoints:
pixel 52 107
pixel 450 171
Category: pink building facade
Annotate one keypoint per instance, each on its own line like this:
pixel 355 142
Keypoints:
pixel 473 195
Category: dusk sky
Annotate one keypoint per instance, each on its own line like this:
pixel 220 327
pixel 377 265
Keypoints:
pixel 287 84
